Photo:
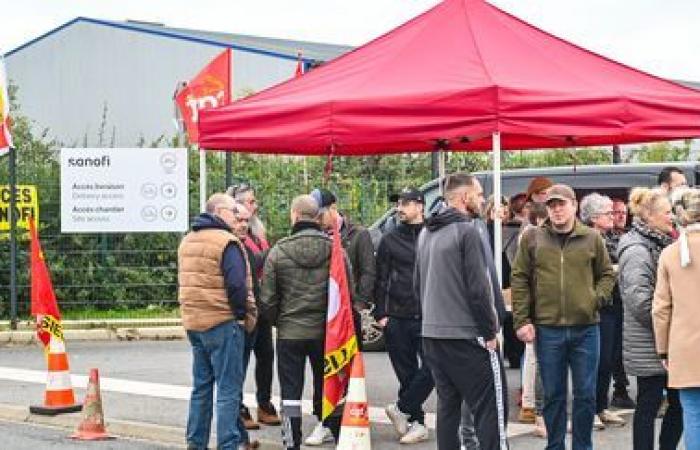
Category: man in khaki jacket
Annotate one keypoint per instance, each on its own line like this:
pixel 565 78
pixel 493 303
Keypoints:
pixel 561 277
pixel 214 288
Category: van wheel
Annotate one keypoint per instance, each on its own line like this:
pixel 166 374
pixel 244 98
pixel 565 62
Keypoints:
pixel 372 333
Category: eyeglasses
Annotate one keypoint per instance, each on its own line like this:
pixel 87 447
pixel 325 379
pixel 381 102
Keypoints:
pixel 608 213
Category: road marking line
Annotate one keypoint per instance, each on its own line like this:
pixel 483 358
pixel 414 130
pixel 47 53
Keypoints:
pixel 180 392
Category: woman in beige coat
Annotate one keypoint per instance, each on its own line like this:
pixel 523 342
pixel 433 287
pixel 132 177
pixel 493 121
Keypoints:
pixel 676 313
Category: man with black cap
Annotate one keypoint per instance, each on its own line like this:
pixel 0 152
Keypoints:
pixel 357 243
pixel 398 312
pixel 566 266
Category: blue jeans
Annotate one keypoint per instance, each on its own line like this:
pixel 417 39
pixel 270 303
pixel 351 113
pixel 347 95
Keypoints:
pixel 558 350
pixel 690 401
pixel 217 358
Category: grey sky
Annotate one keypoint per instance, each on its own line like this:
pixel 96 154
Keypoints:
pixel 653 35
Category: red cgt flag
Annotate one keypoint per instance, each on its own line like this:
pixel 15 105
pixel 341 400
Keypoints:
pixel 209 89
pixel 341 341
pixel 44 305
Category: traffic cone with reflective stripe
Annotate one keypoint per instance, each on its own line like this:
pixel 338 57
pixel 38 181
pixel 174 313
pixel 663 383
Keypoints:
pixel 354 429
pixel 59 397
pixel 92 426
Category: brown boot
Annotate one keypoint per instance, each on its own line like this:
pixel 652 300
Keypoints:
pixel 247 419
pixel 267 415
pixel 252 445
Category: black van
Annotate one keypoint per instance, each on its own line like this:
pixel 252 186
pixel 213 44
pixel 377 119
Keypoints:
pixel 614 180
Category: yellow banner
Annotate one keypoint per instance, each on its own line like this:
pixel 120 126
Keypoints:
pixel 52 326
pixel 27 206
pixel 339 358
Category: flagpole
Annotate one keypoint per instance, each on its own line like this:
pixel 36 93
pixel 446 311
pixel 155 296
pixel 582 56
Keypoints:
pixel 13 239
pixel 202 179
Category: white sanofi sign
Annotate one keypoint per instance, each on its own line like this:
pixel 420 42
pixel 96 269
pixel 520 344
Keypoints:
pixel 121 190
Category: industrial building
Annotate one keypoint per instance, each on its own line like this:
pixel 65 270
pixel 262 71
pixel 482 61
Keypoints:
pixel 96 82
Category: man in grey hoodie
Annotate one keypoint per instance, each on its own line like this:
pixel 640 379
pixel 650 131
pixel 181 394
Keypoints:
pixel 460 322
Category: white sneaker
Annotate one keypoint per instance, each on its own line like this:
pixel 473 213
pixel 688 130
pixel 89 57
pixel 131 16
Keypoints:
pixel 598 423
pixel 417 433
pixel 610 418
pixel 319 436
pixel 398 418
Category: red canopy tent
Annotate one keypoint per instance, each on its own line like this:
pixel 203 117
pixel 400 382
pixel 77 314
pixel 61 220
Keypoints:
pixel 457 73
pixel 462 76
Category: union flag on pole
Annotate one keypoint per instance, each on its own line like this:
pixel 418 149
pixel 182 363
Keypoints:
pixel 209 89
pixel 44 306
pixel 341 341
pixel 300 66
pixel 5 136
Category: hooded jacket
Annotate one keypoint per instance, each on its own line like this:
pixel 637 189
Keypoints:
pixel 294 291
pixel 396 258
pixel 452 280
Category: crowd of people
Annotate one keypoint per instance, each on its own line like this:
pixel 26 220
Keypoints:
pixel 600 289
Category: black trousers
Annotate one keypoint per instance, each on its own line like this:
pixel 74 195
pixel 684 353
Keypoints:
pixel 608 344
pixel 403 344
pixel 650 394
pixel 618 368
pixel 264 360
pixel 464 370
pixel 291 362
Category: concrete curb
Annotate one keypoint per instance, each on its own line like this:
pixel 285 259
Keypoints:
pixel 161 333
pixel 161 434
pixel 88 324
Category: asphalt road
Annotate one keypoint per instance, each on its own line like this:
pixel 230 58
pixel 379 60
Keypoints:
pixel 23 436
pixel 148 381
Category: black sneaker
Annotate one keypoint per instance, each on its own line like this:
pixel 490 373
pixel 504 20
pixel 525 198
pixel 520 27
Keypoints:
pixel 622 400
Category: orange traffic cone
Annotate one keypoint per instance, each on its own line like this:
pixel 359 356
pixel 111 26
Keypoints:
pixel 59 397
pixel 92 426
pixel 354 429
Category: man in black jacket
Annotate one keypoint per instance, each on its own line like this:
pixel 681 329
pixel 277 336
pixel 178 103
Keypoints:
pixel 460 320
pixel 398 312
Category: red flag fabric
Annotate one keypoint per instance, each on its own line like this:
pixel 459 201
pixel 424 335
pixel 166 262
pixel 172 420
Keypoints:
pixel 5 122
pixel 44 305
pixel 209 89
pixel 341 341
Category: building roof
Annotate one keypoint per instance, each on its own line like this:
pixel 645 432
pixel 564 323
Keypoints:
pixel 282 48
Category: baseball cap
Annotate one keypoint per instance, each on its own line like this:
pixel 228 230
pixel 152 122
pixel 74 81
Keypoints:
pixel 560 192
pixel 410 194
pixel 323 197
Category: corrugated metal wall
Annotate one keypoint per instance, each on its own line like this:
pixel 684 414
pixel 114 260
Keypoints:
pixel 66 79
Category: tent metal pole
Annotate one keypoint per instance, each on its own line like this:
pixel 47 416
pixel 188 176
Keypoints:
pixel 202 179
pixel 441 171
pixel 497 231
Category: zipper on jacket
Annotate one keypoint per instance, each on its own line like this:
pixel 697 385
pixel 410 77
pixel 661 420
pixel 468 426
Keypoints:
pixel 561 286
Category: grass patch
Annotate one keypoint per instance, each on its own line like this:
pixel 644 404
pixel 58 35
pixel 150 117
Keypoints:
pixel 150 312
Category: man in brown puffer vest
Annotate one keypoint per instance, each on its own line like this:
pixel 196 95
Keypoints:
pixel 214 294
